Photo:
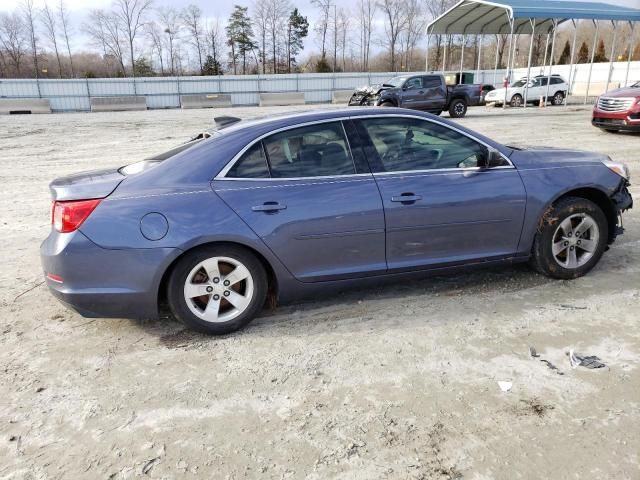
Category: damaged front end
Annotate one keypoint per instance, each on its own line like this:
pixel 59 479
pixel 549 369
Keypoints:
pixel 367 96
pixel 621 201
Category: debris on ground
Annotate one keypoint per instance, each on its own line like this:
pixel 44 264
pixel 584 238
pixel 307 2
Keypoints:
pixel 535 354
pixel 588 361
pixel 505 386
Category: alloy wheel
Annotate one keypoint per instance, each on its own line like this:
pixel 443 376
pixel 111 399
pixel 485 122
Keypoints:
pixel 575 241
pixel 218 289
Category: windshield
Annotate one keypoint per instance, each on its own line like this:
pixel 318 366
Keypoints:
pixel 395 82
pixel 519 83
pixel 636 85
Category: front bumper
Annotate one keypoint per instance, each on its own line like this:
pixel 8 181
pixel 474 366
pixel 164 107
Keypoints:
pixel 360 100
pixel 628 121
pixel 99 282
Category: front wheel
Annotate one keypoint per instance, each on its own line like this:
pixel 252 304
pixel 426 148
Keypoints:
pixel 387 104
pixel 458 108
pixel 572 236
pixel 217 289
pixel 516 100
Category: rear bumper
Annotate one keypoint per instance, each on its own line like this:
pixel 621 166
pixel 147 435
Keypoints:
pixel 98 282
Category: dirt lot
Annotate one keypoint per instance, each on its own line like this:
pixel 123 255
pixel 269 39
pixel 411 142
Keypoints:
pixel 398 382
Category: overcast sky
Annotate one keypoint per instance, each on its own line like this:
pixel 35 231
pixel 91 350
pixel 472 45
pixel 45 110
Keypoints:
pixel 212 9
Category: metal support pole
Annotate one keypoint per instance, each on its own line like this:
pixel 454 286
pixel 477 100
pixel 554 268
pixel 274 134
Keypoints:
pixel 426 57
pixel 553 46
pixel 479 57
pixel 495 69
pixel 444 55
pixel 573 52
pixel 508 74
pixel 546 49
pixel 626 78
pixel 593 54
pixel 526 86
pixel 462 58
pixel 613 52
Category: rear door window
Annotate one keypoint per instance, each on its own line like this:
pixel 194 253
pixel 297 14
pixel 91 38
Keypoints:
pixel 314 151
pixel 253 164
pixel 432 82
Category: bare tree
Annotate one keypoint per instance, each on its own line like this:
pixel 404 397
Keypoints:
pixel 395 22
pixel 29 13
pixel 154 33
pixel 435 8
pixel 131 15
pixel 276 21
pixel 63 15
pixel 49 22
pixel 322 25
pixel 192 18
pixel 104 29
pixel 170 23
pixel 13 38
pixel 415 26
pixel 216 41
pixel 366 13
pixel 342 29
pixel 261 22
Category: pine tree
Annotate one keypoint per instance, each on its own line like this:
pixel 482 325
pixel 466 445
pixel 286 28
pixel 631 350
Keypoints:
pixel 297 30
pixel 211 66
pixel 565 56
pixel 240 37
pixel 583 53
pixel 600 56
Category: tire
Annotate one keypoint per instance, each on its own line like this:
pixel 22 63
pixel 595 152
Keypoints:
pixel 558 99
pixel 387 104
pixel 249 293
pixel 559 247
pixel 516 100
pixel 458 108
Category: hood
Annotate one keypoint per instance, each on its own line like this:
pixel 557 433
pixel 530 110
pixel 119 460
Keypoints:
pixel 372 89
pixel 533 157
pixel 623 92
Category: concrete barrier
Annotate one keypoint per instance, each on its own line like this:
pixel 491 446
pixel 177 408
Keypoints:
pixel 209 100
pixel 281 99
pixel 117 104
pixel 341 96
pixel 10 106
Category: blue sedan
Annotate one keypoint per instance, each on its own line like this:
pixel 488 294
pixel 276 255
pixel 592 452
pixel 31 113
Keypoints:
pixel 284 207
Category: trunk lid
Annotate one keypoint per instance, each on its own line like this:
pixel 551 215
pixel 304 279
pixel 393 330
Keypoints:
pixel 84 185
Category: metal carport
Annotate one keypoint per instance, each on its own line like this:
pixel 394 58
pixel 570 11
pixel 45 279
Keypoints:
pixel 515 17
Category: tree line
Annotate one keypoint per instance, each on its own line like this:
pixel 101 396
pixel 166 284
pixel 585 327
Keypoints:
pixel 140 38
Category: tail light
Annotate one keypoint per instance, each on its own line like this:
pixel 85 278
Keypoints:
pixel 68 216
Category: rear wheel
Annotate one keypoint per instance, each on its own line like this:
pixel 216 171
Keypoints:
pixel 558 98
pixel 571 239
pixel 387 104
pixel 516 100
pixel 458 108
pixel 217 289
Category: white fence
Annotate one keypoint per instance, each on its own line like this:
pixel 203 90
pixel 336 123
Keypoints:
pixel 165 92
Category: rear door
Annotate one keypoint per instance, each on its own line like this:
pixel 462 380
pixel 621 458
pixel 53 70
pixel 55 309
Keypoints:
pixel 301 191
pixel 435 93
pixel 441 205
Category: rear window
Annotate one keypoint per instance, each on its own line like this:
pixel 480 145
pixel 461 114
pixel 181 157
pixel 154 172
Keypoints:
pixel 252 164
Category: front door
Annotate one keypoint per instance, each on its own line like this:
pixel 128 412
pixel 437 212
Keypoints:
pixel 442 205
pixel 413 94
pixel 300 192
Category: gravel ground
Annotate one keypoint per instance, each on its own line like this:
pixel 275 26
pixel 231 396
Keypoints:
pixel 395 382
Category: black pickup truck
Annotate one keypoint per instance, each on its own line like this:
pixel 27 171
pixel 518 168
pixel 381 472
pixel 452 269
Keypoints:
pixel 428 92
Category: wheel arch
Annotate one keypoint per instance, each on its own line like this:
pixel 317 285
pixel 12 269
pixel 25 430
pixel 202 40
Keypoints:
pixel 598 197
pixel 272 288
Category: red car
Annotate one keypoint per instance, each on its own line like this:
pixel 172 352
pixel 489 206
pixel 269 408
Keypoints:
pixel 618 110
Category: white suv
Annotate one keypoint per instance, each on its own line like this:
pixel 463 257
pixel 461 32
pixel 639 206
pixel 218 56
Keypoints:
pixel 537 88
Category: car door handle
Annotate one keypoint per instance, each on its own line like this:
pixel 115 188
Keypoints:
pixel 268 207
pixel 406 198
